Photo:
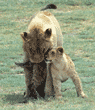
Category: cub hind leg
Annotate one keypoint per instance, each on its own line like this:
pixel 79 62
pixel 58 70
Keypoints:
pixel 76 80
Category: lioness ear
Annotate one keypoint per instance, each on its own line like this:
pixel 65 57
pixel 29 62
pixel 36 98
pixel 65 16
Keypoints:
pixel 24 36
pixel 60 50
pixel 48 33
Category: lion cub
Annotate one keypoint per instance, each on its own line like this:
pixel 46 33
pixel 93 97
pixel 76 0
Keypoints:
pixel 62 68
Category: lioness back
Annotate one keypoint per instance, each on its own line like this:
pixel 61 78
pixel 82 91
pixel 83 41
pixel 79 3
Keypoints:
pixel 43 34
pixel 45 20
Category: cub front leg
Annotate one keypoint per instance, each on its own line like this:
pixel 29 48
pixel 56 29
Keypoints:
pixel 56 84
pixel 49 90
pixel 76 80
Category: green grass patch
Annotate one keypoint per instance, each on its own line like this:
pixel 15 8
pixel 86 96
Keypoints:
pixel 77 21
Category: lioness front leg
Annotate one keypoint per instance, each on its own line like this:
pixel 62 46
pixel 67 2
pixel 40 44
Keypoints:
pixel 76 80
pixel 28 77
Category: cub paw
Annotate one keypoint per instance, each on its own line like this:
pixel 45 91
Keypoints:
pixel 58 97
pixel 83 95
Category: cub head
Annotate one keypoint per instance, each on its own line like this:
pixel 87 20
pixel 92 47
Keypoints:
pixel 55 53
pixel 36 44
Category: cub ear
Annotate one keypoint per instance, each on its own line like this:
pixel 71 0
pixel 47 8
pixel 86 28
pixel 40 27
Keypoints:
pixel 48 33
pixel 24 36
pixel 60 50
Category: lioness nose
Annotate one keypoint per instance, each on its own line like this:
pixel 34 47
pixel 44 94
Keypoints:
pixel 37 56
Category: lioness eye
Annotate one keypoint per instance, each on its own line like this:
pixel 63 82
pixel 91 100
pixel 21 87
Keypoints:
pixel 45 40
pixel 43 50
pixel 31 49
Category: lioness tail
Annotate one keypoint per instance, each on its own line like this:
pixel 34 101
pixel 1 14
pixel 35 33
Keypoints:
pixel 50 6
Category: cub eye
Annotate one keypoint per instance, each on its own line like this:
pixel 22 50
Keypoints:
pixel 53 53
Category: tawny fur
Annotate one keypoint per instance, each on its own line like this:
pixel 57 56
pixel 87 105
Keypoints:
pixel 37 28
pixel 62 68
pixel 43 34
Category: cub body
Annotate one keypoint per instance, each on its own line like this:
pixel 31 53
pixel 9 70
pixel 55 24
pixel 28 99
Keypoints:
pixel 62 68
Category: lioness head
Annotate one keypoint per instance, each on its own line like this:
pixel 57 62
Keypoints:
pixel 36 44
pixel 55 53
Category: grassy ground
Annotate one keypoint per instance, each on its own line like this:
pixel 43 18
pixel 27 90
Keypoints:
pixel 77 21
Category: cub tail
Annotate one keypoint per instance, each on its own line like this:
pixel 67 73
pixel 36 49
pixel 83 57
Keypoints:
pixel 50 6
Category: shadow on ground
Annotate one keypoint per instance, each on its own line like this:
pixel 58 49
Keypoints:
pixel 13 98
pixel 17 98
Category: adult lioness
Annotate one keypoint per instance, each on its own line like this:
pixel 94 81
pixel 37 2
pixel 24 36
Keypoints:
pixel 62 68
pixel 44 34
